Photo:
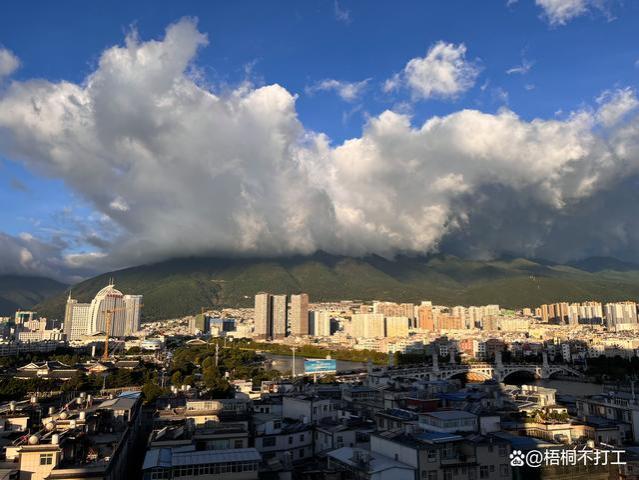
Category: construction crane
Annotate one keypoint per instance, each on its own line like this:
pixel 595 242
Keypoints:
pixel 107 328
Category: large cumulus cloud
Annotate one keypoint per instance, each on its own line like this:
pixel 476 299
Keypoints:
pixel 180 169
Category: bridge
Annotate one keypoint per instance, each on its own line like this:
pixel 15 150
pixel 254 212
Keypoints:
pixel 486 371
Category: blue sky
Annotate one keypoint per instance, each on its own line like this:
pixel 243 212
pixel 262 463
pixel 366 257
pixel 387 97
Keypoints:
pixel 564 66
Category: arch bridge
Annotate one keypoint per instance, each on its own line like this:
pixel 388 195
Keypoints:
pixel 496 371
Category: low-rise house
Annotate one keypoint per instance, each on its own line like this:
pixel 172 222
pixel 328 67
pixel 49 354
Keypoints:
pixel 366 465
pixel 88 439
pixel 449 421
pixel 47 370
pixel 440 456
pixel 282 440
pixel 234 464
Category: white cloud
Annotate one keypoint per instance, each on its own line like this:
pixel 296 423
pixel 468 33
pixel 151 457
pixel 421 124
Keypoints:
pixel 9 63
pixel 348 91
pixel 560 12
pixel 394 83
pixel 500 95
pixel 341 14
pixel 119 204
pixel 180 170
pixel 521 69
pixel 615 105
pixel 443 73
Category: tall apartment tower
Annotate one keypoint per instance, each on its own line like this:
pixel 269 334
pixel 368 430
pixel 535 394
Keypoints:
pixel 263 315
pixel 298 315
pixel 132 305
pixel 319 323
pixel 279 316
pixel 425 320
pixel 68 315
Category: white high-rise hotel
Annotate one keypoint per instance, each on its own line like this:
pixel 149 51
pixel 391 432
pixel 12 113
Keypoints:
pixel 90 318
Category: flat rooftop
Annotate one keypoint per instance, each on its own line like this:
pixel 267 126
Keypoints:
pixel 449 414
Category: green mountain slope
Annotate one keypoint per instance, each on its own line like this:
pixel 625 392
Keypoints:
pixel 182 286
pixel 21 292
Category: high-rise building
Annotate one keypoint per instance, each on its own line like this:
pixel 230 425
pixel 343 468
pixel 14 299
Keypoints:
pixel 76 319
pixel 320 323
pixel 392 309
pixel 108 301
pixel 23 316
pixel 397 326
pixel 585 313
pixel 89 318
pixel 425 318
pixel 279 316
pixel 298 315
pixel 275 317
pixel 263 315
pixel 556 313
pixel 68 314
pixel 449 322
pixel 199 324
pixel 621 315
pixel 367 325
pixel 132 308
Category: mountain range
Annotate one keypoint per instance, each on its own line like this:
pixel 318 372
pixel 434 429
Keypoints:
pixel 178 287
pixel 23 292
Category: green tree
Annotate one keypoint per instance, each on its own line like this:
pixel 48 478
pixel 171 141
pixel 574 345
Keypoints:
pixel 151 392
pixel 176 378
pixel 218 386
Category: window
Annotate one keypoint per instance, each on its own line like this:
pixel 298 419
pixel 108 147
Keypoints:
pixel 238 444
pixel 268 441
pixel 503 450
pixel 483 471
pixel 448 475
pixel 301 437
pixel 46 459
pixel 290 440
pixel 432 475
pixel 431 456
pixel 503 470
pixel 301 453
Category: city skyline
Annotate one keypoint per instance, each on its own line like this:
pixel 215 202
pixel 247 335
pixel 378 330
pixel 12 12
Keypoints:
pixel 217 134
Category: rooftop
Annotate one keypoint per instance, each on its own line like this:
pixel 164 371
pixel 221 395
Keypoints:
pixel 375 462
pixel 449 414
pixel 167 457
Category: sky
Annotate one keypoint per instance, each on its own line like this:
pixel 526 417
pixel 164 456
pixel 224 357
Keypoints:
pixel 133 132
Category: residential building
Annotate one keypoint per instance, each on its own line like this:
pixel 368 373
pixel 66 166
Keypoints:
pixel 298 314
pixel 263 315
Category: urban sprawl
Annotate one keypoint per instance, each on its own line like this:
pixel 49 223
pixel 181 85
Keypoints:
pixel 342 390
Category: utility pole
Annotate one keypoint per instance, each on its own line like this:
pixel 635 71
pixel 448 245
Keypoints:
pixel 217 354
pixel 293 348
